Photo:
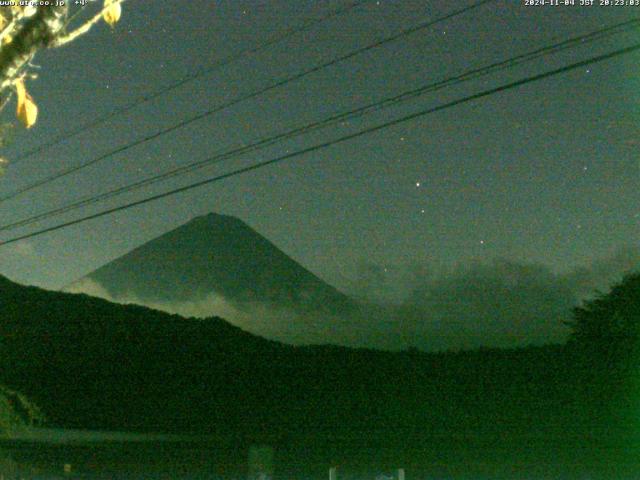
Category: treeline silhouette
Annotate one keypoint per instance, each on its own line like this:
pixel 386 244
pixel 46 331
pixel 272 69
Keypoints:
pixel 88 363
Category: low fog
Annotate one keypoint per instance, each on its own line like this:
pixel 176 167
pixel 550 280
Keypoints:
pixel 496 303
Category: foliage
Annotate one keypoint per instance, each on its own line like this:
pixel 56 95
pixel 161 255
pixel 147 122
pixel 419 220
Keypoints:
pixel 608 326
pixel 25 30
pixel 80 358
pixel 16 411
pixel 92 364
pixel 605 355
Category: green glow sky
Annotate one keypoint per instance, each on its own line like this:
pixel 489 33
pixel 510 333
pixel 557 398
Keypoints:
pixel 547 173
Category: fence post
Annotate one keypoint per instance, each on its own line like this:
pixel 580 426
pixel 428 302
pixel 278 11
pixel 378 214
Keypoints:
pixel 332 473
pixel 401 474
pixel 260 463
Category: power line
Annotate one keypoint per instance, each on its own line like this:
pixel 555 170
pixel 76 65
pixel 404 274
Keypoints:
pixel 349 115
pixel 329 143
pixel 306 25
pixel 240 99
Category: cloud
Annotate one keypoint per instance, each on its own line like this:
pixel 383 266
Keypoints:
pixel 603 272
pixel 498 303
pixel 211 305
pixel 266 320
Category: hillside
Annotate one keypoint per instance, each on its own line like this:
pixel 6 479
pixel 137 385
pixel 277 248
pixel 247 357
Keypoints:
pixel 93 364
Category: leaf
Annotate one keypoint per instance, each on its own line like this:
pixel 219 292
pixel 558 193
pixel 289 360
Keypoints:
pixel 4 21
pixel 112 11
pixel 30 10
pixel 27 110
pixel 26 11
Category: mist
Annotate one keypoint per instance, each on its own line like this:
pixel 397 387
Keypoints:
pixel 495 303
pixel 370 326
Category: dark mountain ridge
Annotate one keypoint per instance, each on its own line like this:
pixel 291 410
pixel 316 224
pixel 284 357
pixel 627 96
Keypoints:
pixel 216 254
pixel 89 363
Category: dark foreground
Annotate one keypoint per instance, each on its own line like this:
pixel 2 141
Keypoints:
pixel 549 412
pixel 364 457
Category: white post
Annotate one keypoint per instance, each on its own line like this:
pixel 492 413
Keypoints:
pixel 260 462
pixel 401 474
pixel 332 473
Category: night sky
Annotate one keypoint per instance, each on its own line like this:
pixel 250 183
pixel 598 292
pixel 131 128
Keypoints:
pixel 545 173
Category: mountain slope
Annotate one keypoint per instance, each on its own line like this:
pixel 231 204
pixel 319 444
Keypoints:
pixel 89 363
pixel 215 254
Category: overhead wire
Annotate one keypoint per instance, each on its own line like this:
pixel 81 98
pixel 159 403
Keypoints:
pixel 237 100
pixel 334 119
pixel 229 59
pixel 323 145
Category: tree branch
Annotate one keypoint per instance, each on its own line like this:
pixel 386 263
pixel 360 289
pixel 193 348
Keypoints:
pixel 40 31
pixel 60 41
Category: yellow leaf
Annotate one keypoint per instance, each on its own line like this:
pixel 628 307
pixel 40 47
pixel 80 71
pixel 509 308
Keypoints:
pixel 112 11
pixel 27 110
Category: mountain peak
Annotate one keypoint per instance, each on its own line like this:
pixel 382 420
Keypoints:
pixel 213 217
pixel 220 255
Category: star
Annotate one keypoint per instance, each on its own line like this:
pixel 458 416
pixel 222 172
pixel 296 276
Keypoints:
pixel 417 184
